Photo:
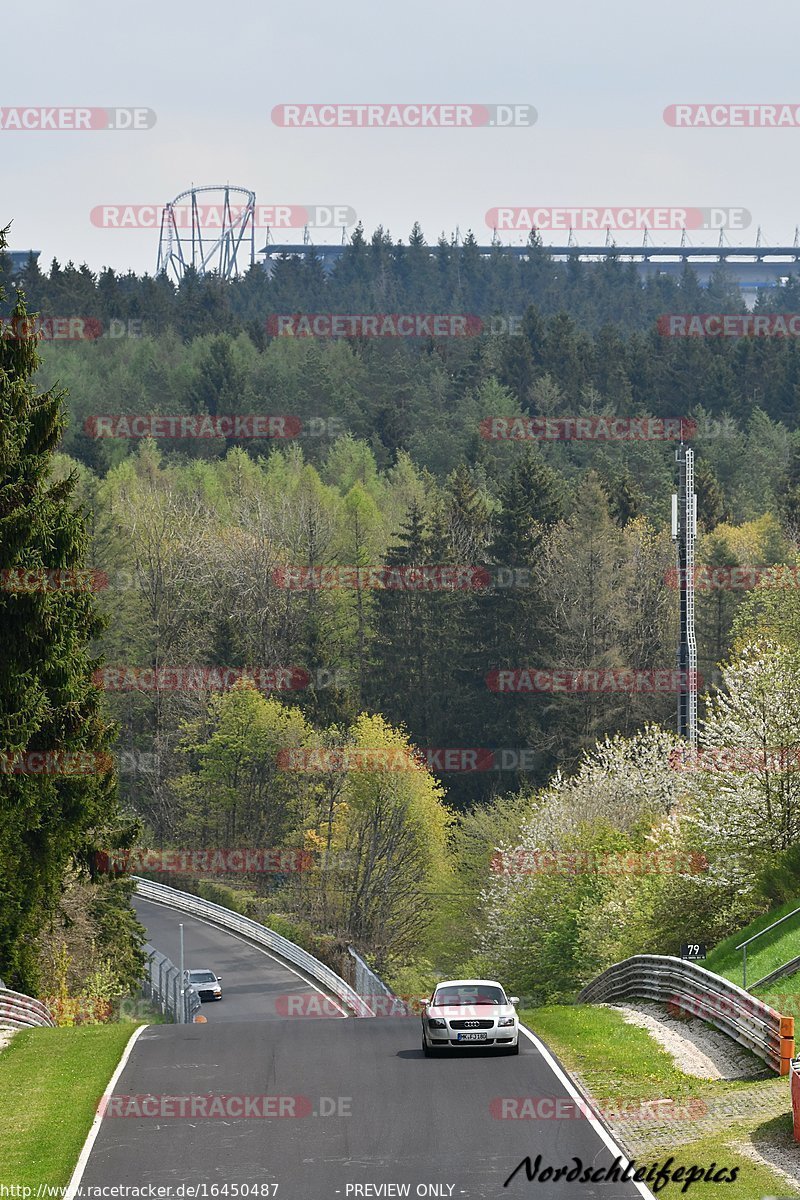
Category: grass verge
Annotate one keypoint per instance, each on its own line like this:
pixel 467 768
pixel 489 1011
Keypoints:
pixel 763 956
pixel 784 995
pixel 621 1063
pixel 752 1181
pixel 51 1081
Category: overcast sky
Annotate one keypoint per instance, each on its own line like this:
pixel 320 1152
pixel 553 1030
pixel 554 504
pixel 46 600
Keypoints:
pixel 598 74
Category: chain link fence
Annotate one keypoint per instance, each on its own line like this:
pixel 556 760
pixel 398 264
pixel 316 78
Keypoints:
pixel 162 985
pixel 374 992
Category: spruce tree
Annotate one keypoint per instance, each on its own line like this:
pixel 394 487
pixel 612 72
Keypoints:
pixel 511 616
pixel 50 721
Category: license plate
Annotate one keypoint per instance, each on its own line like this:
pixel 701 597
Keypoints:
pixel 471 1037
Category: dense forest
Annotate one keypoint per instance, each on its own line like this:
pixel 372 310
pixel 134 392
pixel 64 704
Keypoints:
pixel 210 553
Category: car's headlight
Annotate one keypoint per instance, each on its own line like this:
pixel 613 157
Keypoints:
pixel 506 1021
pixel 437 1023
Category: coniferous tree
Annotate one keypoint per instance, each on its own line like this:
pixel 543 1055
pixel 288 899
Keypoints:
pixel 510 624
pixel 402 683
pixel 711 506
pixel 56 778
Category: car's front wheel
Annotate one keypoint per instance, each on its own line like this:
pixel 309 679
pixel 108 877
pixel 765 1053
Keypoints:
pixel 426 1049
pixel 513 1049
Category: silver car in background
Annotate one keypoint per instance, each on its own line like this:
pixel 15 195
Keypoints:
pixel 464 1013
pixel 206 983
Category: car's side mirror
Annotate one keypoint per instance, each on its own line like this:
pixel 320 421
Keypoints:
pixel 219 979
pixel 513 999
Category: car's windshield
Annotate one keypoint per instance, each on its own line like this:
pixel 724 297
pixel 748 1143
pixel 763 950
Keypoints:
pixel 469 994
pixel 202 977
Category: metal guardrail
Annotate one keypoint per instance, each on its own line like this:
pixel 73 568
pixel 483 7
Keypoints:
pixel 693 990
pixel 18 1011
pixel 163 985
pixel 259 934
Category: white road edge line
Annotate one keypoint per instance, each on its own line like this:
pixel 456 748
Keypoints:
pixel 251 945
pixel 598 1126
pixel 80 1166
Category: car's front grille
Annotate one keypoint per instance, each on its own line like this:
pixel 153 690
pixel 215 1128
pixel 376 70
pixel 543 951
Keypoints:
pixel 471 1024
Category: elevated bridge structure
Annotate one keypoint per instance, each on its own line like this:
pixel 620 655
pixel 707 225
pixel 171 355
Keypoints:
pixel 752 267
pixel 19 258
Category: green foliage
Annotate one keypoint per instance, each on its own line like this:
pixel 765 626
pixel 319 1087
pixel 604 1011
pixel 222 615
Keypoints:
pixel 89 953
pixel 239 794
pixel 605 864
pixel 200 529
pixel 48 702
pixel 780 879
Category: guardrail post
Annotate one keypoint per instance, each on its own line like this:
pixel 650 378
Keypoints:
pixel 795 1087
pixel 162 997
pixel 787 1044
pixel 182 981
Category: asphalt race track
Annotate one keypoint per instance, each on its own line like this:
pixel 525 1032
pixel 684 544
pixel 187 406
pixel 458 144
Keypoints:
pixel 356 1105
pixel 253 983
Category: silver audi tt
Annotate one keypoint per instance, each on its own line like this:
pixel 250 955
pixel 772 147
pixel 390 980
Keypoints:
pixel 469 1012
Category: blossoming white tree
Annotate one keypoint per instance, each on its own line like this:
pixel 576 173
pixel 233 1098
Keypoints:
pixel 748 799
